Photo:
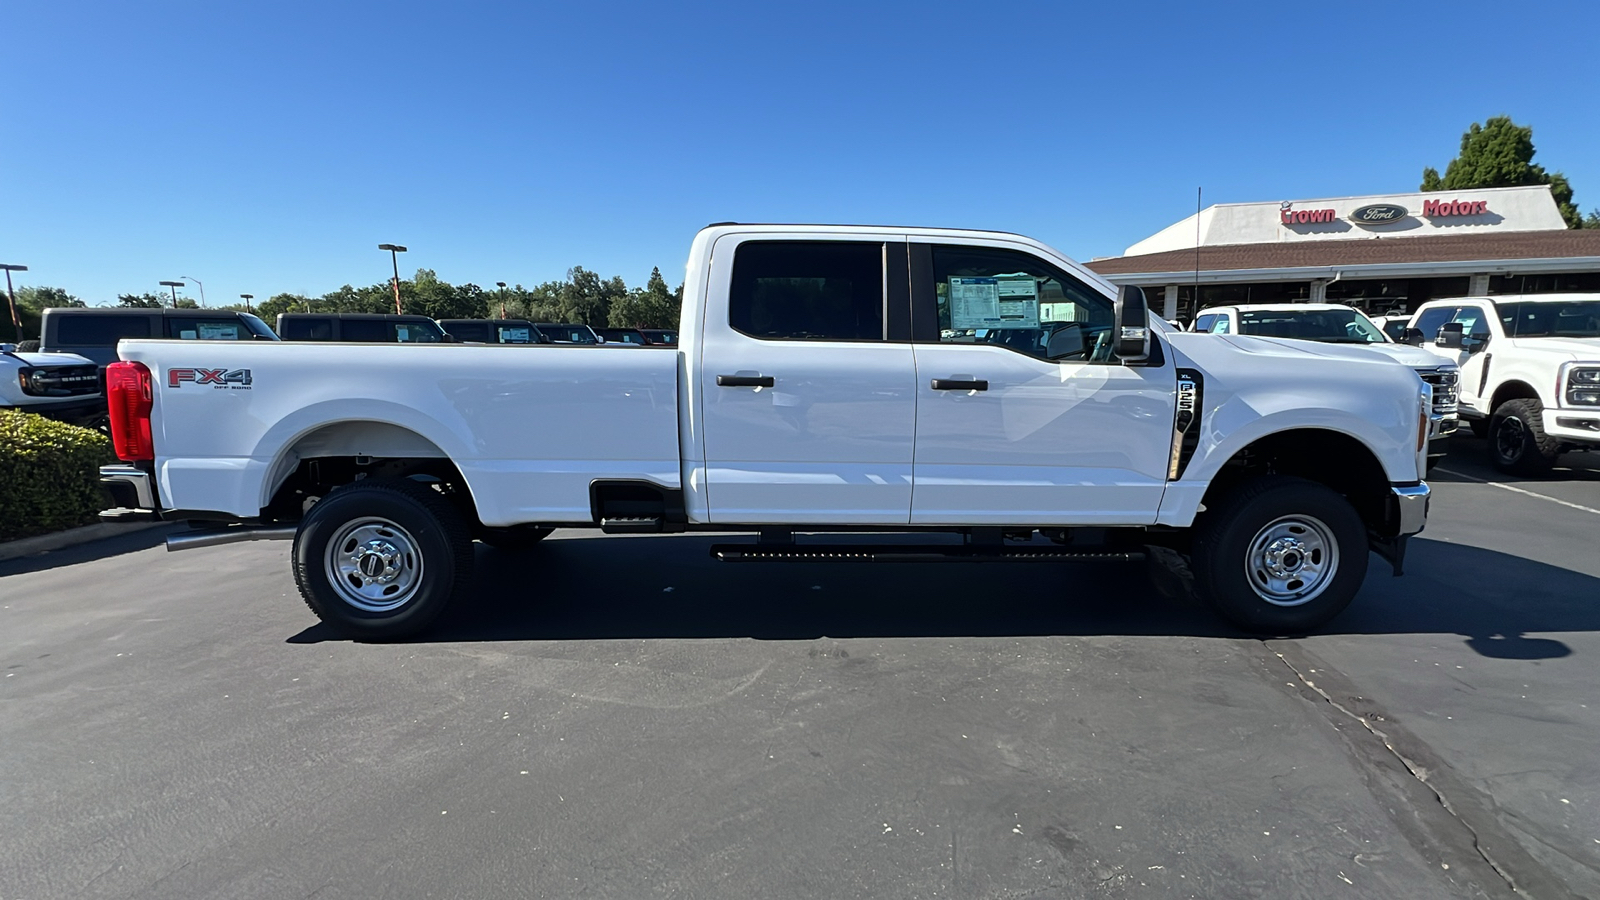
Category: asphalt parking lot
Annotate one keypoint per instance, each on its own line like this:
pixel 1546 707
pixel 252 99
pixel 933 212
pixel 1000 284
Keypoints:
pixel 624 717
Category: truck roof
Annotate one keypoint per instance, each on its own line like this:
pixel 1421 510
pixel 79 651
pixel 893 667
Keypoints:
pixel 1277 307
pixel 1523 298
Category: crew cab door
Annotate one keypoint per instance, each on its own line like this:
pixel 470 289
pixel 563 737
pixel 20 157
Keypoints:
pixel 1474 356
pixel 808 384
pixel 1025 416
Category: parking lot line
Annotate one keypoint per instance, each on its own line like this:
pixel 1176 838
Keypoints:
pixel 1587 509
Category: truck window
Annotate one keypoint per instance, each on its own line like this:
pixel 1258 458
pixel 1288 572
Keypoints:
pixel 808 291
pixel 1430 321
pixel 990 296
pixel 185 328
pixel 366 331
pixel 100 331
pixel 307 329
pixel 412 333
pixel 1204 323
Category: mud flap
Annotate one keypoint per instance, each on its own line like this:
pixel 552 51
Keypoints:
pixel 1392 549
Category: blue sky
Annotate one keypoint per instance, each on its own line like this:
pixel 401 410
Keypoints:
pixel 270 147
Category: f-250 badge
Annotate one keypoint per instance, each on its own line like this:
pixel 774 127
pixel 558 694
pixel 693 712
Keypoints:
pixel 223 379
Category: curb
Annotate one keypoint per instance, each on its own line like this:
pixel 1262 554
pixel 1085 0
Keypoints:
pixel 71 537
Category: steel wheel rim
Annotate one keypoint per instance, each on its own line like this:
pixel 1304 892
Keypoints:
pixel 1509 437
pixel 1292 560
pixel 373 565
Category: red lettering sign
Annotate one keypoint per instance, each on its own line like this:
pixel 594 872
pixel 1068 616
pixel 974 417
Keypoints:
pixel 1306 216
pixel 1434 209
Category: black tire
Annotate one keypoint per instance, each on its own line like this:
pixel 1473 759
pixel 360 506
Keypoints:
pixel 28 346
pixel 1480 427
pixel 1331 541
pixel 402 521
pixel 520 538
pixel 1517 442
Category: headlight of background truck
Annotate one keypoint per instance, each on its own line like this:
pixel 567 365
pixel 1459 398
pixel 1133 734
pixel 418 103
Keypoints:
pixel 1583 386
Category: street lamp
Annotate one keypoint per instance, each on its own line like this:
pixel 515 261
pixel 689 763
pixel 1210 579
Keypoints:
pixel 394 251
pixel 247 298
pixel 202 288
pixel 502 286
pixel 16 322
pixel 174 285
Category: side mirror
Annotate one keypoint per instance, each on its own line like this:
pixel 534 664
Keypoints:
pixel 1450 335
pixel 1065 342
pixel 1131 324
pixel 449 339
pixel 1412 336
pixel 1476 341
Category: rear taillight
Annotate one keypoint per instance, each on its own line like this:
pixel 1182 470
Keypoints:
pixel 128 397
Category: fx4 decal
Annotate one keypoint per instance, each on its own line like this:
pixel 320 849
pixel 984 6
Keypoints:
pixel 222 378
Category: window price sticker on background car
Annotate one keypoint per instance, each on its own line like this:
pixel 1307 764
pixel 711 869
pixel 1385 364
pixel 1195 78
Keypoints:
pixel 999 303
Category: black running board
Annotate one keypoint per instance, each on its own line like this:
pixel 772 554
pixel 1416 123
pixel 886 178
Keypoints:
pixel 915 553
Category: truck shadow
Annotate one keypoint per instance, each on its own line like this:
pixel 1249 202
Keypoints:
pixel 591 587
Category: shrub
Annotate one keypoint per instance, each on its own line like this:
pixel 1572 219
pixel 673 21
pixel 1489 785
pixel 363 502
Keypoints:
pixel 49 474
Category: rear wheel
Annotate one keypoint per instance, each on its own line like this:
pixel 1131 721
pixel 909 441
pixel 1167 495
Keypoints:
pixel 1280 556
pixel 380 560
pixel 1517 442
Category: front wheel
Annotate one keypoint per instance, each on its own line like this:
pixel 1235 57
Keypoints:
pixel 1517 442
pixel 379 560
pixel 1281 555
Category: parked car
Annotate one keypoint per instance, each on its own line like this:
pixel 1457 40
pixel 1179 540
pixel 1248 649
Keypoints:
pixel 1339 324
pixel 567 334
pixel 1530 371
pixel 361 328
pixel 663 336
pixel 63 386
pixel 493 331
pixel 94 331
pixel 631 337
pixel 815 395
pixel 1392 325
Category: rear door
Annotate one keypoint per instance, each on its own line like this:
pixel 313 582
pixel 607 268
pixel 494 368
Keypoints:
pixel 808 382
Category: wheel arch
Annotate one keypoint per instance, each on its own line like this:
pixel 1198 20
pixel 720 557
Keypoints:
pixel 1512 389
pixel 1338 460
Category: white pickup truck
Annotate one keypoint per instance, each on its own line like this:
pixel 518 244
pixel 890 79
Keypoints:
pixel 1335 323
pixel 1530 371
pixel 828 379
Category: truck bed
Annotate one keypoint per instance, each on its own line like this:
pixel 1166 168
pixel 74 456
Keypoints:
pixel 528 427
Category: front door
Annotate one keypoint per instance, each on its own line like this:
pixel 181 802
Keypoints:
pixel 808 382
pixel 1025 416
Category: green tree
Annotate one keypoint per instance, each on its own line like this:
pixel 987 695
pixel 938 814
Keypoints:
pixel 143 301
pixel 652 306
pixel 31 304
pixel 1499 153
pixel 1593 219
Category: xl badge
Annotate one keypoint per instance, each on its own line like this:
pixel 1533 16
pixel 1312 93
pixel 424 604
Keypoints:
pixel 221 378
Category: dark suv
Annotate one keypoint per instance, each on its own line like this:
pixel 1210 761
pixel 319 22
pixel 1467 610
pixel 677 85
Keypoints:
pixel 93 332
pixel 362 328
pixel 493 331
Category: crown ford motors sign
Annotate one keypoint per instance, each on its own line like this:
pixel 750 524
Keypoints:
pixel 1379 214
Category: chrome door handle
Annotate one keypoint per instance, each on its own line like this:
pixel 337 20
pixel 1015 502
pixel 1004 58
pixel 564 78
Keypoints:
pixel 744 381
pixel 952 384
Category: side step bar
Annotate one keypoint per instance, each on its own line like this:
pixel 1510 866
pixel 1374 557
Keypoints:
pixel 631 524
pixel 915 553
pixel 231 534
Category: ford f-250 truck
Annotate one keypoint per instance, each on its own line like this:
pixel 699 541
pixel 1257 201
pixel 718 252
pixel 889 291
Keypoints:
pixel 1530 371
pixel 828 379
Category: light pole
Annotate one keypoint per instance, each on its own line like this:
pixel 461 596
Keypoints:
pixel 247 298
pixel 16 322
pixel 174 285
pixel 394 256
pixel 202 288
pixel 502 286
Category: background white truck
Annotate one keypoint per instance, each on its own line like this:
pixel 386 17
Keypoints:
pixel 1335 323
pixel 1530 371
pixel 827 379
pixel 59 385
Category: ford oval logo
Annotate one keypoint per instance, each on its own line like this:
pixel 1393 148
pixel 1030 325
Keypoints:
pixel 1378 214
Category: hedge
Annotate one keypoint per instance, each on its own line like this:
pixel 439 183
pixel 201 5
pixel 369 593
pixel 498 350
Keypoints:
pixel 49 474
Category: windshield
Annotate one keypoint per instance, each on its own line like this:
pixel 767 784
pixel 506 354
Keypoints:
pixel 1578 318
pixel 1332 326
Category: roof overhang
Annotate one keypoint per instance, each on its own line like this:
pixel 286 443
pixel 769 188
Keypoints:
pixel 1561 264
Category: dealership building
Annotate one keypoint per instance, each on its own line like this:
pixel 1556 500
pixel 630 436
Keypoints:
pixel 1384 253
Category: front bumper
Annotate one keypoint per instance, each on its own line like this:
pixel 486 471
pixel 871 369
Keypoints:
pixel 1408 506
pixel 71 410
pixel 1581 426
pixel 1440 426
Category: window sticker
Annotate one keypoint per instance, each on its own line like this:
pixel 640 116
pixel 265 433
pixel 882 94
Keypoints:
pixel 186 334
pixel 1000 303
pixel 217 331
pixel 515 335
pixel 1019 301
